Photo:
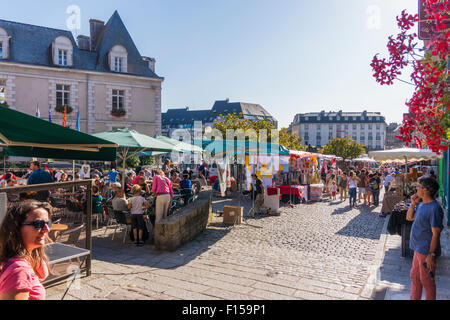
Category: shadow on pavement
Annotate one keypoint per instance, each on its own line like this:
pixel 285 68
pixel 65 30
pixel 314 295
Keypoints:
pixel 367 224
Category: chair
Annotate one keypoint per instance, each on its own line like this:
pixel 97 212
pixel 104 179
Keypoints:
pixel 74 235
pixel 121 219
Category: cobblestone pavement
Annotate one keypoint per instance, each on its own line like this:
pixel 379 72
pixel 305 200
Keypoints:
pixel 312 251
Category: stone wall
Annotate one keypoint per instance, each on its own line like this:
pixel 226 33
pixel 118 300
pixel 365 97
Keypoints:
pixel 185 225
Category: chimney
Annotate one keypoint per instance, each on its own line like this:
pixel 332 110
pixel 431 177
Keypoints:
pixel 84 42
pixel 96 28
pixel 151 62
pixel 187 108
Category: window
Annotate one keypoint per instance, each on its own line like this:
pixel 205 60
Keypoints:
pixel 118 64
pixel 354 118
pixel 354 137
pixel 4 42
pixel 62 95
pixel 306 126
pixel 118 59
pixel 2 91
pixel 118 99
pixel 306 118
pixel 354 127
pixel 62 52
pixel 62 57
pixel 370 127
pixel 362 127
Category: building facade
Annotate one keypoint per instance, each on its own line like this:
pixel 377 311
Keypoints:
pixel 392 130
pixel 103 77
pixel 184 118
pixel 316 129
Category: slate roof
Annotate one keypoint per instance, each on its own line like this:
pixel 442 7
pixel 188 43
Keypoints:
pixel 30 44
pixel 174 117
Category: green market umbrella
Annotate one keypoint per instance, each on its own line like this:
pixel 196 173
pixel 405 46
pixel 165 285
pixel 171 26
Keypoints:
pixel 131 143
pixel 29 136
pixel 179 146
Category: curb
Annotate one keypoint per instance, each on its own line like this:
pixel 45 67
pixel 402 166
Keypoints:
pixel 371 290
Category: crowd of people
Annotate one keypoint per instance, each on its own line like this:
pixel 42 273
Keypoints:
pixel 361 186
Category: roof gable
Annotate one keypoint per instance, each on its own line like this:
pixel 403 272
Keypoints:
pixel 115 33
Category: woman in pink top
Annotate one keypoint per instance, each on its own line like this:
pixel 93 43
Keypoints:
pixel 23 263
pixel 162 189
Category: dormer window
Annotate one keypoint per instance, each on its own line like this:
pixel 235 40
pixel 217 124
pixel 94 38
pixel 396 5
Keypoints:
pixel 118 62
pixel 62 52
pixel 4 44
pixel 118 59
pixel 62 58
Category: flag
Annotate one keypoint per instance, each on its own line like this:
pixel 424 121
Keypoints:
pixel 64 118
pixel 38 114
pixel 50 114
pixel 78 120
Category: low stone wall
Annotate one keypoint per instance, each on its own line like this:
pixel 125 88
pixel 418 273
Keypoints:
pixel 185 225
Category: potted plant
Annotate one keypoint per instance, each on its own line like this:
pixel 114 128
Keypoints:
pixel 60 109
pixel 118 113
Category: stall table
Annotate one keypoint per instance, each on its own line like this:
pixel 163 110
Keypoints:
pixel 298 191
pixel 400 226
pixel 391 198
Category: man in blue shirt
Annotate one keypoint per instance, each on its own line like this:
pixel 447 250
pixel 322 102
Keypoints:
pixel 425 237
pixel 39 176
pixel 113 175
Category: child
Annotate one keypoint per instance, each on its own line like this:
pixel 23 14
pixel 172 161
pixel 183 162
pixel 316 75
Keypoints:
pixel 137 204
pixel 333 189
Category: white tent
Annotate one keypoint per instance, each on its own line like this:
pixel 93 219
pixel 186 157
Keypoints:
pixel 402 154
pixel 364 160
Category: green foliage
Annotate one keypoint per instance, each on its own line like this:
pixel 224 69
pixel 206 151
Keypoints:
pixel 345 148
pixel 133 162
pixel 291 141
pixel 147 160
pixel 237 122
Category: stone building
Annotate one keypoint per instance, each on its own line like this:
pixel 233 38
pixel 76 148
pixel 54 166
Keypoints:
pixel 102 76
pixel 317 128
pixel 184 118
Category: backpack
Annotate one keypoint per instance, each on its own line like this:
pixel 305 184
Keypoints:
pixel 373 184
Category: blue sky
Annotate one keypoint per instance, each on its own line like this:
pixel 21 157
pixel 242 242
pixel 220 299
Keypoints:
pixel 290 56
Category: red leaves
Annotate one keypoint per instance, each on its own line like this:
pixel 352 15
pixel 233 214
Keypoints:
pixel 428 106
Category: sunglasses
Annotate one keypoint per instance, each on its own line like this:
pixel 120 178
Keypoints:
pixel 38 224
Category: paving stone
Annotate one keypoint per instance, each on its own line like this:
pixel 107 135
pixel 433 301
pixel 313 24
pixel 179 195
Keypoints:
pixel 267 295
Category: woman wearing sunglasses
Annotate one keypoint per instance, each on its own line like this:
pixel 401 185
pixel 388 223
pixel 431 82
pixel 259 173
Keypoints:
pixel 23 263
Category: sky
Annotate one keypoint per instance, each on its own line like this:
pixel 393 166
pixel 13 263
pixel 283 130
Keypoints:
pixel 290 56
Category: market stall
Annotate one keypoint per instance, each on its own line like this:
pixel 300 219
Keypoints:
pixel 398 198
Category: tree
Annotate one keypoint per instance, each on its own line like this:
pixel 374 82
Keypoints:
pixel 429 105
pixel 147 160
pixel 345 148
pixel 133 161
pixel 291 141
pixel 237 122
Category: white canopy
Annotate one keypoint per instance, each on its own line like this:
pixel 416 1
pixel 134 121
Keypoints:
pixel 402 154
pixel 364 160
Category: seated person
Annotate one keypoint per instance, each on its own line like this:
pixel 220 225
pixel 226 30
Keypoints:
pixel 120 202
pixel 175 178
pixel 143 184
pixel 186 188
pixel 96 201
